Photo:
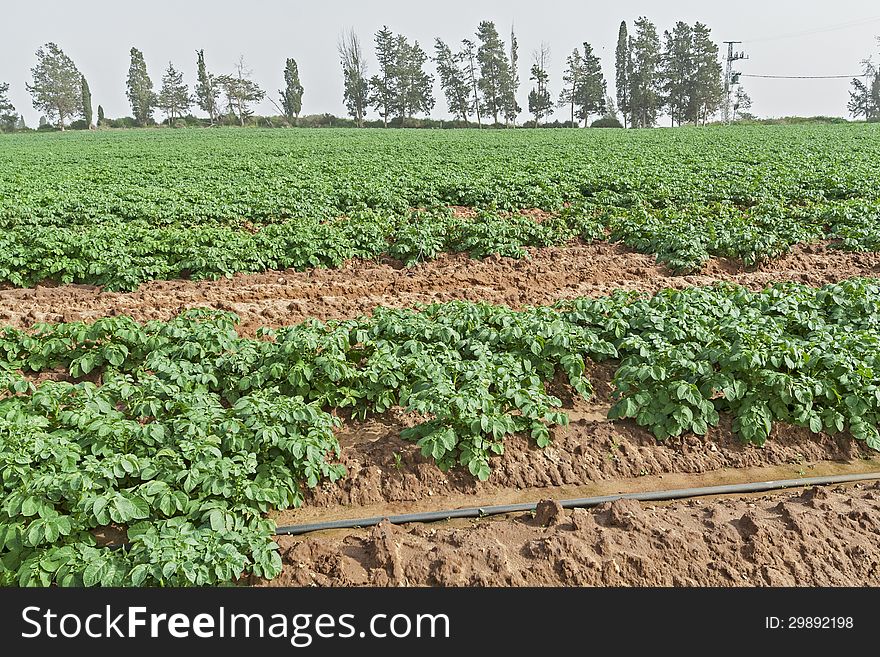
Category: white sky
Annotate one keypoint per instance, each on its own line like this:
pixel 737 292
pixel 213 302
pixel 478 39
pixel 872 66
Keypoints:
pixel 98 37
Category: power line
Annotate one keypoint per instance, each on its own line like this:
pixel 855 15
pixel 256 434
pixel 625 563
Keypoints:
pixel 817 30
pixel 804 77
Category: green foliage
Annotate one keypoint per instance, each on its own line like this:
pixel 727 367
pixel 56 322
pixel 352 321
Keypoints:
pixel 139 89
pixel 56 88
pixel 123 208
pixel 179 437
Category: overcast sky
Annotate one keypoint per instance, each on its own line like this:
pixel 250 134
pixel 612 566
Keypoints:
pixel 782 37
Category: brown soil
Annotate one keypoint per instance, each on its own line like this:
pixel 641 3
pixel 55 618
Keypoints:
pixel 815 537
pixel 282 298
pixel 386 471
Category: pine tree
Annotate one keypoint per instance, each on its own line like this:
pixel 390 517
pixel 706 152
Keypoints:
pixel 677 70
pixel 591 89
pixel 8 116
pixel 453 80
pixel 174 98
pixel 621 72
pixel 571 82
pixel 57 84
pixel 207 92
pixel 140 89
pixel 414 85
pixel 383 87
pixel 494 69
pixel 707 93
pixel 540 101
pixel 291 95
pixel 86 102
pixel 644 75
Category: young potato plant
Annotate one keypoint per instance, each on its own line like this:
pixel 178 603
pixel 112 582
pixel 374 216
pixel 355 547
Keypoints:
pixel 174 440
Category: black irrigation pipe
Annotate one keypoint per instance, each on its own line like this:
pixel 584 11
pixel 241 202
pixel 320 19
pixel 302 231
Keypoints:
pixel 584 502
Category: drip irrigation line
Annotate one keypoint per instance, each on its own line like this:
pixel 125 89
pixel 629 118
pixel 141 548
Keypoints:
pixel 584 502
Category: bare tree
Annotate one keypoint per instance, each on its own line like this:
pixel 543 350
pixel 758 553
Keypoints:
pixel 354 71
pixel 240 91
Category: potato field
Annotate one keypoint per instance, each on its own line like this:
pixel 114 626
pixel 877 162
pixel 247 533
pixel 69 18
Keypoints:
pixel 209 334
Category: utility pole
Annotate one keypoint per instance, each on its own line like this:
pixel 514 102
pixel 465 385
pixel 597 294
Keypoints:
pixel 730 77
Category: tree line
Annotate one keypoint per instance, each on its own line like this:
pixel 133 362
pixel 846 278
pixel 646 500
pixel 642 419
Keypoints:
pixel 679 75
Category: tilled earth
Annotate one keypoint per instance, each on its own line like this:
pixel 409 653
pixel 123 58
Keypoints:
pixel 817 537
pixel 548 275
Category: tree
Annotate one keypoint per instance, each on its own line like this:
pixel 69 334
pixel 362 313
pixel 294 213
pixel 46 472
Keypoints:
pixel 86 102
pixel 707 90
pixel 292 94
pixel 383 87
pixel 454 80
pixel 643 74
pixel 621 67
pixel 100 115
pixel 8 116
pixel 240 91
pixel 57 85
pixel 414 85
pixel 540 102
pixel 174 98
pixel 742 103
pixel 140 89
pixel 354 72
pixel 207 92
pixel 511 84
pixel 677 71
pixel 571 81
pixel 469 55
pixel 591 89
pixel 864 98
pixel 494 69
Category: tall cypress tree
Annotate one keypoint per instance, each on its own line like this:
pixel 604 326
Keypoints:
pixel 644 74
pixel 677 67
pixel 590 91
pixel 140 89
pixel 86 102
pixel 101 115
pixel 511 83
pixel 494 69
pixel 291 95
pixel 621 72
pixel 707 93
pixel 207 91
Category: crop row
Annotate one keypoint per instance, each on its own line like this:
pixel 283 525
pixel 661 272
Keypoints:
pixel 122 256
pixel 177 438
pixel 118 209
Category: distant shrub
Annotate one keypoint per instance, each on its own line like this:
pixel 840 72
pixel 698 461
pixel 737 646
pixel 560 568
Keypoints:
pixel 606 122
